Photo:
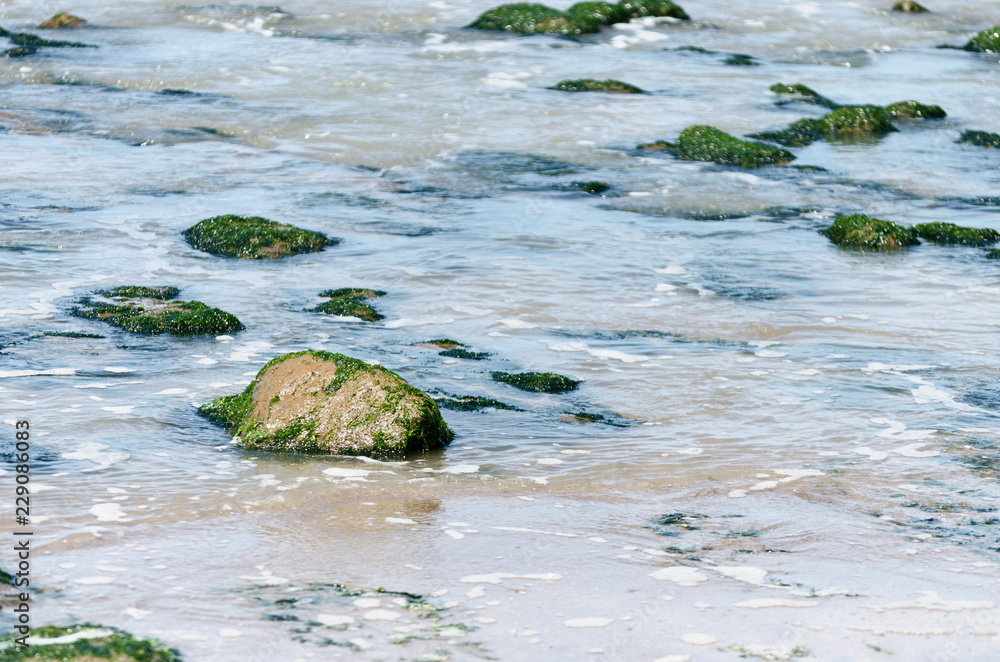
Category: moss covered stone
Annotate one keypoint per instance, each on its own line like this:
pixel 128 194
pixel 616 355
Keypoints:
pixel 909 6
pixel 980 138
pixel 153 310
pixel 253 237
pixel 85 642
pixel 660 8
pixel 800 92
pixel 604 13
pixel 540 382
pixel 443 343
pixel 987 41
pixel 841 122
pixel 28 40
pixel 62 20
pixel 656 146
pixel 593 188
pixel 472 403
pixel 320 402
pixel 949 233
pixel 20 51
pixel 459 353
pixel 706 143
pixel 915 110
pixel 993 254
pixel 589 85
pixel 532 18
pixel 741 60
pixel 350 302
pixel 861 231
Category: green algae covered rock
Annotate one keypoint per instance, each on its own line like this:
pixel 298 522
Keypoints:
pixel 741 60
pixel 253 238
pixel 540 382
pixel 443 343
pixel 980 138
pixel 800 92
pixel 706 143
pixel 949 233
pixel 853 119
pixel 861 231
pixel 62 20
pixel 603 13
pixel 473 403
pixel 532 18
pixel 909 6
pixel 153 310
pixel 350 302
pixel 993 254
pixel 85 642
pixel 915 110
pixel 320 402
pixel 460 353
pixel 660 8
pixel 593 188
pixel 28 40
pixel 987 41
pixel 589 85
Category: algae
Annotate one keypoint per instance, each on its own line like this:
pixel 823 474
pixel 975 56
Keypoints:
pixel 108 644
pixel 253 238
pixel 915 110
pixel 949 233
pixel 863 232
pixel 980 138
pixel 540 382
pixel 706 143
pixel 909 6
pixel 803 93
pixel 350 302
pixel 152 310
pixel 62 20
pixel 590 85
pixel 987 41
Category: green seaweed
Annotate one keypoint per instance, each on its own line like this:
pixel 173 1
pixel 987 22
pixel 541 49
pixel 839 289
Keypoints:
pixel 472 403
pixel 590 85
pixel 803 93
pixel 909 6
pixel 915 110
pixel 949 233
pixel 980 138
pixel 987 41
pixel 350 302
pixel 459 353
pixel 863 232
pixel 180 318
pixel 253 237
pixel 540 382
pixel 741 60
pixel 659 8
pixel 116 645
pixel 706 143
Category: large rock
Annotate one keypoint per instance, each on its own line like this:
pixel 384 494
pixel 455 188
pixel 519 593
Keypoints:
pixel 320 402
pixel 987 41
pixel 253 238
pixel 866 233
pixel 62 20
pixel 85 642
pixel 154 310
pixel 706 143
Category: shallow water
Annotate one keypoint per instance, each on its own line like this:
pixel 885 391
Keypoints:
pixel 825 418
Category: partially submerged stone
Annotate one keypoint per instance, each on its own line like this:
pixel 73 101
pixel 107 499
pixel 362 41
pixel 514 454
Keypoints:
pixel 85 642
pixel 443 343
pixel 603 13
pixel 741 60
pixel 841 122
pixel 706 143
pixel 532 18
pixel 320 402
pixel 540 382
pixel 590 85
pixel 949 233
pixel 154 310
pixel 980 138
pixel 460 353
pixel 473 403
pixel 861 231
pixel 253 238
pixel 28 40
pixel 993 254
pixel 987 41
pixel 803 93
pixel 62 20
pixel 656 146
pixel 909 6
pixel 659 8
pixel 350 302
pixel 915 110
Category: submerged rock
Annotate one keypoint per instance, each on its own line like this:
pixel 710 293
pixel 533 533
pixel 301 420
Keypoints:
pixel 443 343
pixel 659 8
pixel 909 6
pixel 29 40
pixel 20 51
pixel 993 254
pixel 949 233
pixel 320 402
pixel 861 231
pixel 62 20
pixel 915 110
pixel 706 143
pixel 153 310
pixel 460 353
pixel 531 18
pixel 987 41
pixel 741 60
pixel 980 138
pixel 589 85
pixel 350 302
pixel 253 238
pixel 85 642
pixel 604 13
pixel 844 121
pixel 540 382
pixel 473 403
pixel 593 188
pixel 803 93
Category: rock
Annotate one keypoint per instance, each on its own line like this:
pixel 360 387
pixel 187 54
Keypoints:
pixel 472 403
pixel 350 302
pixel 319 402
pixel 593 188
pixel 34 41
pixel 603 13
pixel 20 51
pixel 153 310
pixel 62 20
pixel 706 143
pixel 803 93
pixel 909 6
pixel 85 642
pixel 980 138
pixel 664 8
pixel 443 343
pixel 993 254
pixel 987 41
pixel 915 110
pixel 253 238
pixel 741 60
pixel 531 18
pixel 540 382
pixel 459 353
pixel 588 85
pixel 844 121
pixel 949 233
pixel 860 231
pixel 656 146
pixel 581 417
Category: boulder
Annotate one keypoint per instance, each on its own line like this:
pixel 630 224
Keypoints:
pixel 803 93
pixel 861 231
pixel 706 143
pixel 915 110
pixel 319 402
pixel 154 310
pixel 980 138
pixel 659 8
pixel 253 238
pixel 949 233
pixel 540 382
pixel 85 642
pixel 590 85
pixel 987 41
pixel 351 302
pixel 62 20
